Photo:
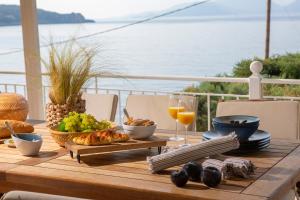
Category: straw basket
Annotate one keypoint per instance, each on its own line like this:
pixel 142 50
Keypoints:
pixel 13 106
pixel 62 137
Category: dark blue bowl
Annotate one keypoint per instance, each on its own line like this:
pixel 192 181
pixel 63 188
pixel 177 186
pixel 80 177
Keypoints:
pixel 243 126
pixel 227 120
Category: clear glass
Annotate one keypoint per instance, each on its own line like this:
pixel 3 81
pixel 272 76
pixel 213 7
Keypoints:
pixel 173 109
pixel 187 116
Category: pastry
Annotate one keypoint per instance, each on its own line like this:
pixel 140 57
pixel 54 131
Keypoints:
pixel 79 139
pixel 92 139
pixel 116 137
pixel 120 137
pixel 17 126
pixel 100 138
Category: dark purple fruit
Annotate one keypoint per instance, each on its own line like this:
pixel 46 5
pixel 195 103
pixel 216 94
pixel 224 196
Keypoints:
pixel 211 176
pixel 179 178
pixel 194 171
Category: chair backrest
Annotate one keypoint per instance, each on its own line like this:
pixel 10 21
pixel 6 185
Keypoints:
pixel 155 107
pixel 279 118
pixel 102 106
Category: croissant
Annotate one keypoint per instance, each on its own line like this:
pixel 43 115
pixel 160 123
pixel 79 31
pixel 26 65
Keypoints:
pixel 93 139
pixel 120 137
pixel 79 139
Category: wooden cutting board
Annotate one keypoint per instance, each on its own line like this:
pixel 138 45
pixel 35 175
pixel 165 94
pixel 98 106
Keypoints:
pixel 129 145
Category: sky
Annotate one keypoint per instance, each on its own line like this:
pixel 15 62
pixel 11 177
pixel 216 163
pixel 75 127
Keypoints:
pixel 99 9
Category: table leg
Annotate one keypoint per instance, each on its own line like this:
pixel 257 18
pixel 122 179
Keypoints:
pixel 159 150
pixel 71 154
pixel 78 158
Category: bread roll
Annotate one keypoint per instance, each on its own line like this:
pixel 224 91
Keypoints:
pixel 18 127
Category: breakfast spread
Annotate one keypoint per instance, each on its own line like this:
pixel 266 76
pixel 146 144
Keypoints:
pixel 101 138
pixel 139 122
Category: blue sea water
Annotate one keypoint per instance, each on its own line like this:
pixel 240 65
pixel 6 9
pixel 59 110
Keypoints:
pixel 192 48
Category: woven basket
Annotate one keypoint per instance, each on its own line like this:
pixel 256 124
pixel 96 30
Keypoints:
pixel 62 137
pixel 13 106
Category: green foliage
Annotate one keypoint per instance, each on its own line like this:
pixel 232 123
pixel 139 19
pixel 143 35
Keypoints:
pixel 283 66
pixel 280 66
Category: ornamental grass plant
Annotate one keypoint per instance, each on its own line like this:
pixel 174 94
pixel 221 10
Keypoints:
pixel 70 67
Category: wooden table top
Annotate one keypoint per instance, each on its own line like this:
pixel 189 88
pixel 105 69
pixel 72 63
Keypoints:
pixel 125 175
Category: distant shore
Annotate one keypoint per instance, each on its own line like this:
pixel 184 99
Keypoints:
pixel 10 16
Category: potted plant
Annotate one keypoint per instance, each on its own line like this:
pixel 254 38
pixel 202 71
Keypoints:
pixel 69 66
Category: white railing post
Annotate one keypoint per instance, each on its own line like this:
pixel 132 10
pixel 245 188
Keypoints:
pixel 255 88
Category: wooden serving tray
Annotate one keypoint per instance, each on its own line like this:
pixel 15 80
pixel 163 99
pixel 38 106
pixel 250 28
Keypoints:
pixel 130 144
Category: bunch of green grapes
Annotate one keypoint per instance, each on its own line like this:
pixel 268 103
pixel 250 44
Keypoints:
pixel 104 124
pixel 83 122
pixel 70 123
pixel 88 123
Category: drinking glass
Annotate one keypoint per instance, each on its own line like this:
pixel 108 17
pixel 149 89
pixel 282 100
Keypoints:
pixel 173 109
pixel 186 116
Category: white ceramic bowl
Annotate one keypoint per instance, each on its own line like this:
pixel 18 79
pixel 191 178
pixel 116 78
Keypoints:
pixel 139 132
pixel 28 144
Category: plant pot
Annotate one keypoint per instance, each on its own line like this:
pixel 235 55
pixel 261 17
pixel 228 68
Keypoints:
pixel 55 112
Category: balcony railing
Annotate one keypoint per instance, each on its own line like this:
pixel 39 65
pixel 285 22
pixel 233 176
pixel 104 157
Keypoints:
pixel 255 82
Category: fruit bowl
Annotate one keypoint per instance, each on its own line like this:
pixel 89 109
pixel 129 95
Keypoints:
pixel 62 137
pixel 243 126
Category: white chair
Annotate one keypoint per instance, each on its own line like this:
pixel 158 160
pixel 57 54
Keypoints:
pixel 22 195
pixel 102 106
pixel 155 107
pixel 279 118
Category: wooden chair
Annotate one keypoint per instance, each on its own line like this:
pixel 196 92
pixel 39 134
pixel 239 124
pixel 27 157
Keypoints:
pixel 102 106
pixel 279 118
pixel 155 107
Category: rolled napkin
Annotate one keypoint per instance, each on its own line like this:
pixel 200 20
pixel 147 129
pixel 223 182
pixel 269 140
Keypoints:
pixel 193 152
pixel 239 167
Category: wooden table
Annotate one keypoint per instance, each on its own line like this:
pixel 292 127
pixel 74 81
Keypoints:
pixel 125 175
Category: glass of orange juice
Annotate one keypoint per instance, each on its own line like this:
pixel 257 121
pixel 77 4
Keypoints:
pixel 173 109
pixel 187 116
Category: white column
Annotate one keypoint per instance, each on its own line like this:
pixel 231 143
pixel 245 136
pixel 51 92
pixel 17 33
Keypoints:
pixel 32 58
pixel 255 88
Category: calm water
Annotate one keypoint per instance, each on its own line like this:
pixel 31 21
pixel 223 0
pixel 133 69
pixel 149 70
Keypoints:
pixel 203 48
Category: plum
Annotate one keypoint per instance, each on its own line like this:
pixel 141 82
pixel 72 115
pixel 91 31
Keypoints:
pixel 194 171
pixel 211 176
pixel 179 178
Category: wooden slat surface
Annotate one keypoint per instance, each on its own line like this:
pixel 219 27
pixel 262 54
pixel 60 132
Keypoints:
pixel 125 174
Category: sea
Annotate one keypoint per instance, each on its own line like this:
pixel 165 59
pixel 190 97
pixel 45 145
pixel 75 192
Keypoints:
pixel 185 48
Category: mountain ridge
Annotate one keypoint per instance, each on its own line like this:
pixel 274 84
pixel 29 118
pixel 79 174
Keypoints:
pixel 10 15
pixel 228 8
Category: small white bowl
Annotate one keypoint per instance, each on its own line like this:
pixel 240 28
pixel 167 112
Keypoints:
pixel 28 144
pixel 139 132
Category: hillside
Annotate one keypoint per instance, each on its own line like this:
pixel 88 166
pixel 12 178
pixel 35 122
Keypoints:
pixel 10 15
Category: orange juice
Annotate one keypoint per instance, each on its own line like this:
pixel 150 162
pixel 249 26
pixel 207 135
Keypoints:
pixel 186 118
pixel 173 110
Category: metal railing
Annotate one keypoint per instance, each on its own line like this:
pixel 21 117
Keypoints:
pixel 255 82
